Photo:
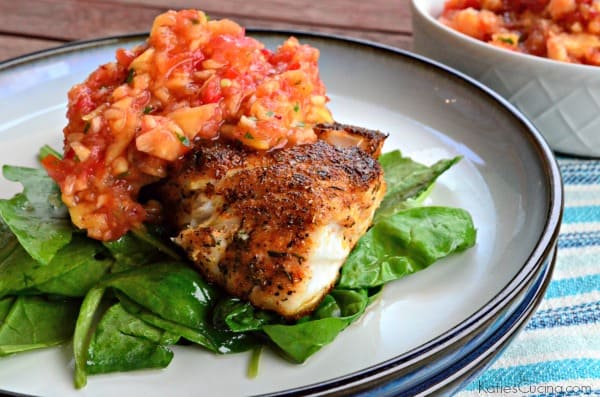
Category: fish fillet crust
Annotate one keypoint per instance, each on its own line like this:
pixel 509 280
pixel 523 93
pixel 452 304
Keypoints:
pixel 275 227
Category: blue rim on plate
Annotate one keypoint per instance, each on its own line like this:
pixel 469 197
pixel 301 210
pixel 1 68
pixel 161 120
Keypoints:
pixel 432 365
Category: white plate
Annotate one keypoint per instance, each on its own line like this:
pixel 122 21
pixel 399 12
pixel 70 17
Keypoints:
pixel 508 181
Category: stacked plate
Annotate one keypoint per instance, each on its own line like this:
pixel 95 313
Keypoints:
pixel 430 332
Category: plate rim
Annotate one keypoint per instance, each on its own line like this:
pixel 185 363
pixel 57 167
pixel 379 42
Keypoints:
pixel 488 310
pixel 489 349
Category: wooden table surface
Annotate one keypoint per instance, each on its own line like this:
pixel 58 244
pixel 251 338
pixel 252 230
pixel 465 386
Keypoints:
pixel 32 25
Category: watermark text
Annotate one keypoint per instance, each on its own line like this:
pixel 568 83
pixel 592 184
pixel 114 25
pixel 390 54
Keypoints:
pixel 534 389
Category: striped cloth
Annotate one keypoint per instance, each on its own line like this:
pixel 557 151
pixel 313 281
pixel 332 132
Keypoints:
pixel 558 352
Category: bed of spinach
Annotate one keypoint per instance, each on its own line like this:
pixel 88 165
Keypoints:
pixel 126 302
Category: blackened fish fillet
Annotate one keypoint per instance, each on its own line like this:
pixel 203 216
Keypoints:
pixel 275 227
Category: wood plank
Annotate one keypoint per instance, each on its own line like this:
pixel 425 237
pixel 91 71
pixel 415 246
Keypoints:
pixel 73 20
pixel 392 39
pixel 13 46
pixel 79 19
pixel 374 15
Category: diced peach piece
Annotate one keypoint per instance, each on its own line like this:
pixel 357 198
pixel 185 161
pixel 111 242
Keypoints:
pixel 160 142
pixel 508 40
pixel 556 49
pixel 258 144
pixel 191 119
pixel 225 26
pixel 560 8
pixel 477 24
pixel 82 152
pixel 143 62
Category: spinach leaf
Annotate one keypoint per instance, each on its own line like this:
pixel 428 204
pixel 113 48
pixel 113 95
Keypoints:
pixel 342 303
pixel 167 296
pixel 240 316
pixel 215 339
pixel 5 305
pixel 8 241
pixel 406 179
pixel 405 243
pixel 73 270
pixel 34 322
pixel 171 290
pixel 87 272
pixel 37 216
pixel 82 334
pixel 299 341
pixel 122 342
pixel 157 237
pixel 129 251
pixel 254 363
pixel 374 293
pixel 172 296
pixel 199 337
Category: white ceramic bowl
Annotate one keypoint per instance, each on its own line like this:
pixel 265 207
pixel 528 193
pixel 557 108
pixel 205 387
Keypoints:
pixel 561 99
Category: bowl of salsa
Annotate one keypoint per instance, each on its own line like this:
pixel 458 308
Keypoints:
pixel 543 56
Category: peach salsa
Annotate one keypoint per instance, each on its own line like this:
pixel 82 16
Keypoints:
pixel 194 78
pixel 562 30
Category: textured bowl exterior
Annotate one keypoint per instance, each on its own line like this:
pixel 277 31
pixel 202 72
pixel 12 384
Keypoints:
pixel 562 100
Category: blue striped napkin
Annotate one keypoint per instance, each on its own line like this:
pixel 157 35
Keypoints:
pixel 558 352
